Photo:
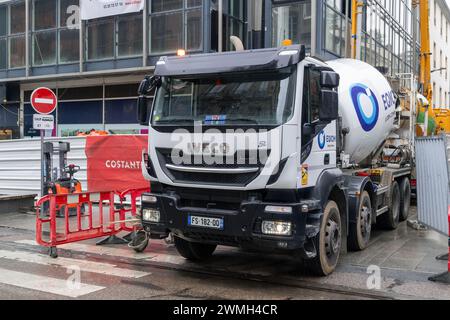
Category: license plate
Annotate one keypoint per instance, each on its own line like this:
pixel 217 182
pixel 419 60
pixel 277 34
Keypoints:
pixel 205 222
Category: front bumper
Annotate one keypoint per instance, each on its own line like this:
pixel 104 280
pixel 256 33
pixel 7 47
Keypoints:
pixel 240 227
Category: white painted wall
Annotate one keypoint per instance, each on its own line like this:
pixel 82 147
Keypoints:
pixel 20 164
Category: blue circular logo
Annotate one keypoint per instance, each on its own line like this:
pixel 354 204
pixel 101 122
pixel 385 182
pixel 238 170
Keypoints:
pixel 367 123
pixel 321 139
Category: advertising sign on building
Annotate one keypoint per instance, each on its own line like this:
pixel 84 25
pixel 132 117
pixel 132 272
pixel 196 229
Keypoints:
pixel 92 9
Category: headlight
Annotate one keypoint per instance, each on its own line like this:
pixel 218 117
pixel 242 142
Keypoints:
pixel 149 199
pixel 151 215
pixel 277 228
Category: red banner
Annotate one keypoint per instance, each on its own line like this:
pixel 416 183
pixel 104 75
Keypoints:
pixel 114 162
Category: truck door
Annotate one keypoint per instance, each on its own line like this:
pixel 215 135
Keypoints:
pixel 318 141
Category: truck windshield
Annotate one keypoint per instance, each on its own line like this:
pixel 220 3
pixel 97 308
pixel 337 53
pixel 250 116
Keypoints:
pixel 263 99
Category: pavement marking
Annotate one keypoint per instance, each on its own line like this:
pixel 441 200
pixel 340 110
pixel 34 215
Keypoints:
pixel 46 284
pixel 116 252
pixel 100 250
pixel 84 265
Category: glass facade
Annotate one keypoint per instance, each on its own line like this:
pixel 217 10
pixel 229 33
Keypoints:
pixel 389 41
pixel 388 35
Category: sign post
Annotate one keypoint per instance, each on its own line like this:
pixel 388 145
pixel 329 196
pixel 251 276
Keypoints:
pixel 43 101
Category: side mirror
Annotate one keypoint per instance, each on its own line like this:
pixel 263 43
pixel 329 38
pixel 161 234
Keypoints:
pixel 329 109
pixel 142 110
pixel 147 85
pixel 329 82
pixel 329 79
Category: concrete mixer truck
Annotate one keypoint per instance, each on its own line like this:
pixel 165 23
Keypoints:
pixel 271 150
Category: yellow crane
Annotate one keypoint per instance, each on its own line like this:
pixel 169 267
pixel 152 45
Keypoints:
pixel 425 110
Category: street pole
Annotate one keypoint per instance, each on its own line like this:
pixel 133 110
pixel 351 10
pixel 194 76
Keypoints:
pixel 42 164
pixel 220 26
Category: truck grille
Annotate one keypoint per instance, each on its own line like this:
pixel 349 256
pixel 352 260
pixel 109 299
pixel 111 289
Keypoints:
pixel 246 160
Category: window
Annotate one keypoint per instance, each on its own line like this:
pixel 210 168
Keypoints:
pixel 121 91
pixel 3 21
pixel 130 36
pixel 101 39
pixel 311 97
pixel 80 112
pixel 176 24
pixel 334 37
pixel 167 32
pixel 44 35
pixel 194 30
pixel 120 111
pixel 15 40
pixel 17 52
pixel 69 36
pixel 434 55
pixel 292 22
pixel 3 54
pixel 44 16
pixel 265 99
pixel 67 10
pixel 17 25
pixel 69 45
pixel 9 119
pixel 44 48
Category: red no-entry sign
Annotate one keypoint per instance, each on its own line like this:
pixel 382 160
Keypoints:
pixel 43 100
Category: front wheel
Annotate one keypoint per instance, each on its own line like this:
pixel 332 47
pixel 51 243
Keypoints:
pixel 194 251
pixel 328 243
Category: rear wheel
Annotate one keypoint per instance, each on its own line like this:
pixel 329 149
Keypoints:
pixel 192 250
pixel 390 219
pixel 360 231
pixel 405 199
pixel 328 243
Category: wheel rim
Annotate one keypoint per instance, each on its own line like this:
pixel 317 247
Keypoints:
pixel 366 220
pixel 333 237
pixel 396 204
pixel 407 202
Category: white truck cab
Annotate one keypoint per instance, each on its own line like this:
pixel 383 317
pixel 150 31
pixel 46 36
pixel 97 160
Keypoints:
pixel 259 149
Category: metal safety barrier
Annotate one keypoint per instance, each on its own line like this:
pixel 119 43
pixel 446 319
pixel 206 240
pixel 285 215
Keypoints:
pixel 433 180
pixel 62 219
pixel 445 277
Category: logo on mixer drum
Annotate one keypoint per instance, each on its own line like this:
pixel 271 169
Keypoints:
pixel 367 115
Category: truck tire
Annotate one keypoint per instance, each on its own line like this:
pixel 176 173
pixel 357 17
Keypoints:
pixel 391 218
pixel 405 199
pixel 360 231
pixel 192 250
pixel 328 243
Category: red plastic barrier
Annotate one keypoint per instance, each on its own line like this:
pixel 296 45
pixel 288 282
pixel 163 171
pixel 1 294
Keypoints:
pixel 134 195
pixel 101 217
pixel 448 240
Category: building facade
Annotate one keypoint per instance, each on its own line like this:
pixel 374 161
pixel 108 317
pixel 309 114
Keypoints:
pixel 440 46
pixel 95 66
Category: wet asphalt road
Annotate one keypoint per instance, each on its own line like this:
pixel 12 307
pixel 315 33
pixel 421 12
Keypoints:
pixel 86 271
